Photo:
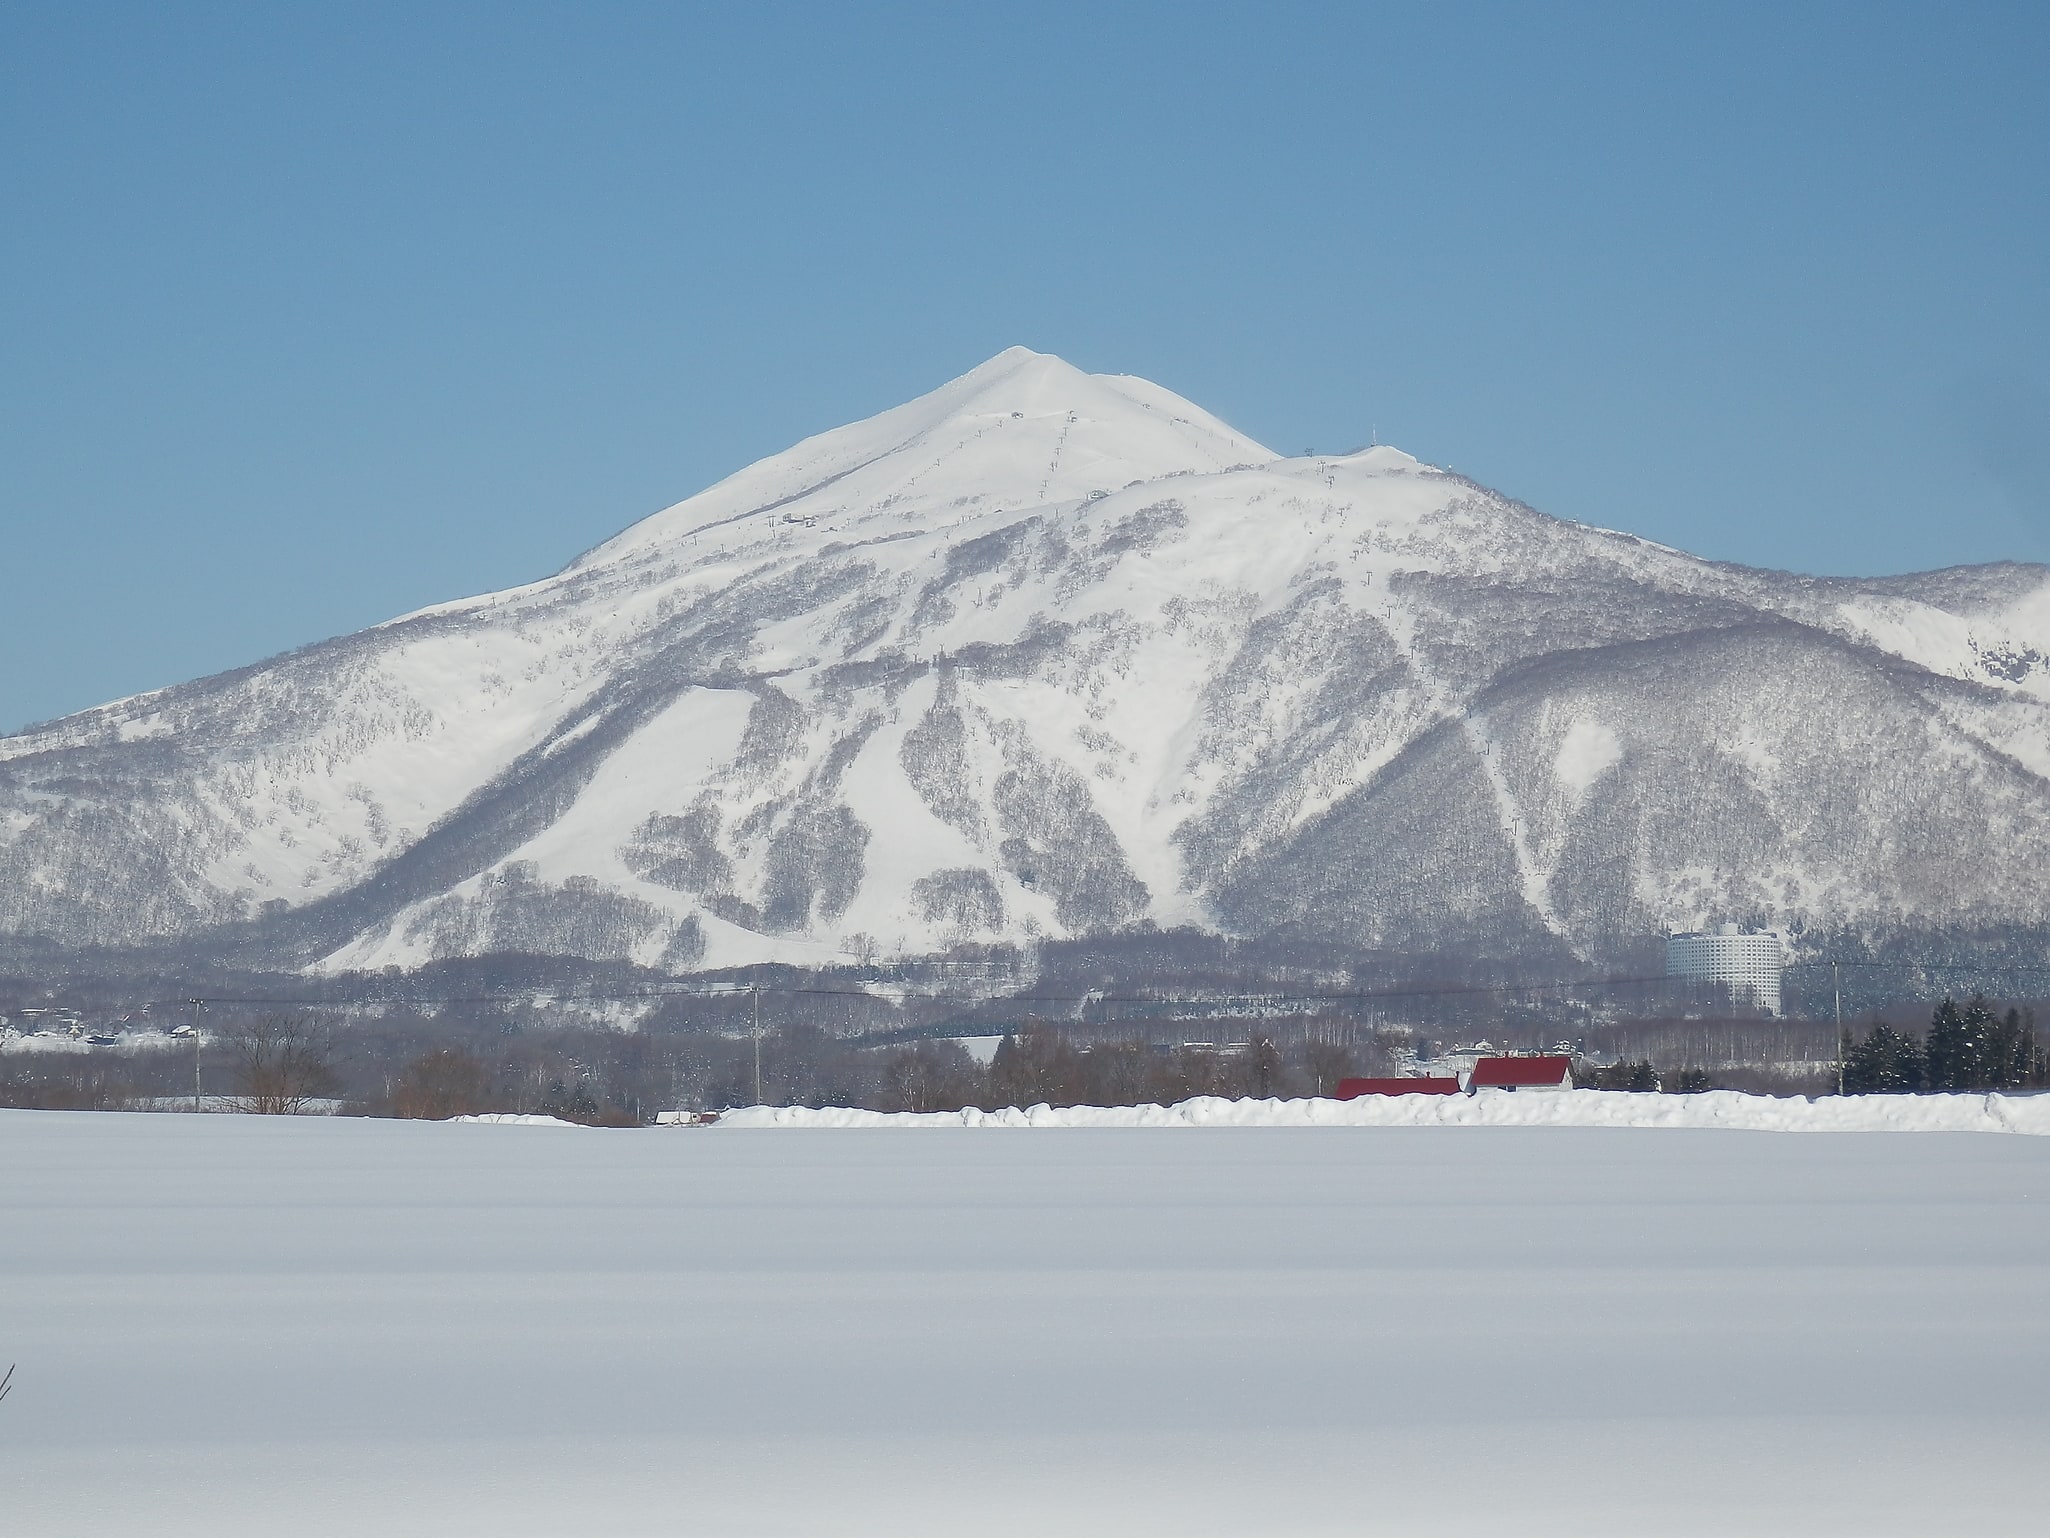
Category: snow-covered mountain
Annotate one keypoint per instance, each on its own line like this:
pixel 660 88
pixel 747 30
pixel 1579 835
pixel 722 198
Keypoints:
pixel 1046 653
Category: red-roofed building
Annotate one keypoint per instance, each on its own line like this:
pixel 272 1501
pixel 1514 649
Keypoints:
pixel 1520 1073
pixel 1353 1089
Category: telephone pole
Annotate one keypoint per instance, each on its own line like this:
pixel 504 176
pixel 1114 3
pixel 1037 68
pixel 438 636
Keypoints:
pixel 196 1007
pixel 755 999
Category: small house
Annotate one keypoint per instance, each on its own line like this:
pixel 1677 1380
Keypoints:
pixel 1353 1089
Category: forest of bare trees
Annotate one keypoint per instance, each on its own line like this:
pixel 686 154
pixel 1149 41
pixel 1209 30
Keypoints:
pixel 407 1064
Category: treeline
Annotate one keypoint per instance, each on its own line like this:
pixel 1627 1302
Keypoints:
pixel 406 1064
pixel 803 1066
pixel 1965 1048
pixel 1642 1077
pixel 605 1076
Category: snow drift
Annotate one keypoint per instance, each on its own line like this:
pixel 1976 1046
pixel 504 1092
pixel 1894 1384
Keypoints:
pixel 1725 1109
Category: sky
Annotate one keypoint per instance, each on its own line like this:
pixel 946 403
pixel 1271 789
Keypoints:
pixel 312 314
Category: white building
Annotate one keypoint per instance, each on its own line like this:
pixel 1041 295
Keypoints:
pixel 1747 965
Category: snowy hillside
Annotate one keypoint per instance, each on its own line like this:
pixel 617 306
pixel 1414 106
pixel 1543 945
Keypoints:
pixel 1044 654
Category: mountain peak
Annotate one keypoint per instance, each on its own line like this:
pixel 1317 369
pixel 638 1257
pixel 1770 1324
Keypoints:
pixel 1022 429
pixel 1015 380
pixel 1019 379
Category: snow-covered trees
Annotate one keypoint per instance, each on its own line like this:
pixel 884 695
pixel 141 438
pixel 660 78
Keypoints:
pixel 1968 1047
pixel 1973 1049
pixel 1886 1062
pixel 1639 1077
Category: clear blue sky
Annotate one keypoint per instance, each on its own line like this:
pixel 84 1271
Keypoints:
pixel 311 314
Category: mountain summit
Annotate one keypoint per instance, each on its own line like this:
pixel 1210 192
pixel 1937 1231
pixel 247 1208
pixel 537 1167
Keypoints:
pixel 1046 653
pixel 1022 430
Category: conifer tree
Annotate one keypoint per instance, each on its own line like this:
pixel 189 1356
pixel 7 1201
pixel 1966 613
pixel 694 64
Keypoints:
pixel 1639 1076
pixel 2013 1059
pixel 1981 1046
pixel 1972 1048
pixel 1886 1062
pixel 1948 1050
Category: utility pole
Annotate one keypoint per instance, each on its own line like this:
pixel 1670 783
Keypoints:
pixel 1838 989
pixel 196 1006
pixel 755 998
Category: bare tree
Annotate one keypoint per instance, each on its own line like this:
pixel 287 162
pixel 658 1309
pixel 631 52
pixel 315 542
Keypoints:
pixel 930 1076
pixel 1328 1063
pixel 440 1084
pixel 282 1064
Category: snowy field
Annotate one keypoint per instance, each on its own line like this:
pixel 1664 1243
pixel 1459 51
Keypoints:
pixel 241 1325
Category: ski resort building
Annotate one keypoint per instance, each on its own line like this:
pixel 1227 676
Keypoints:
pixel 1746 965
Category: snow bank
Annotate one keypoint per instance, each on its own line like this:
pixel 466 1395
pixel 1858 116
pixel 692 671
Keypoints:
pixel 1717 1108
pixel 517 1119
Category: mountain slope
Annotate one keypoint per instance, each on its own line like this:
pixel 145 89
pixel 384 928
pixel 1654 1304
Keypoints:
pixel 1046 653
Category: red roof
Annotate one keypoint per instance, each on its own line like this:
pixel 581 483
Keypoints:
pixel 1352 1089
pixel 1511 1072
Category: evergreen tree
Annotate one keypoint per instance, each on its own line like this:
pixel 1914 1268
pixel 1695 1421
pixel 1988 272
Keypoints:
pixel 1981 1045
pixel 1640 1077
pixel 1972 1048
pixel 1264 1067
pixel 1886 1062
pixel 1948 1051
pixel 2014 1059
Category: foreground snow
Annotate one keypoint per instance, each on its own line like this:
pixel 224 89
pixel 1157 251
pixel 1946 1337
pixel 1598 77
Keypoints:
pixel 241 1325
pixel 1586 1108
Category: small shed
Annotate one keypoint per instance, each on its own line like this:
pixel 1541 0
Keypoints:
pixel 1511 1073
pixel 1353 1089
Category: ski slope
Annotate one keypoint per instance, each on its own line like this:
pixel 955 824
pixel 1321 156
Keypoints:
pixel 234 1325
